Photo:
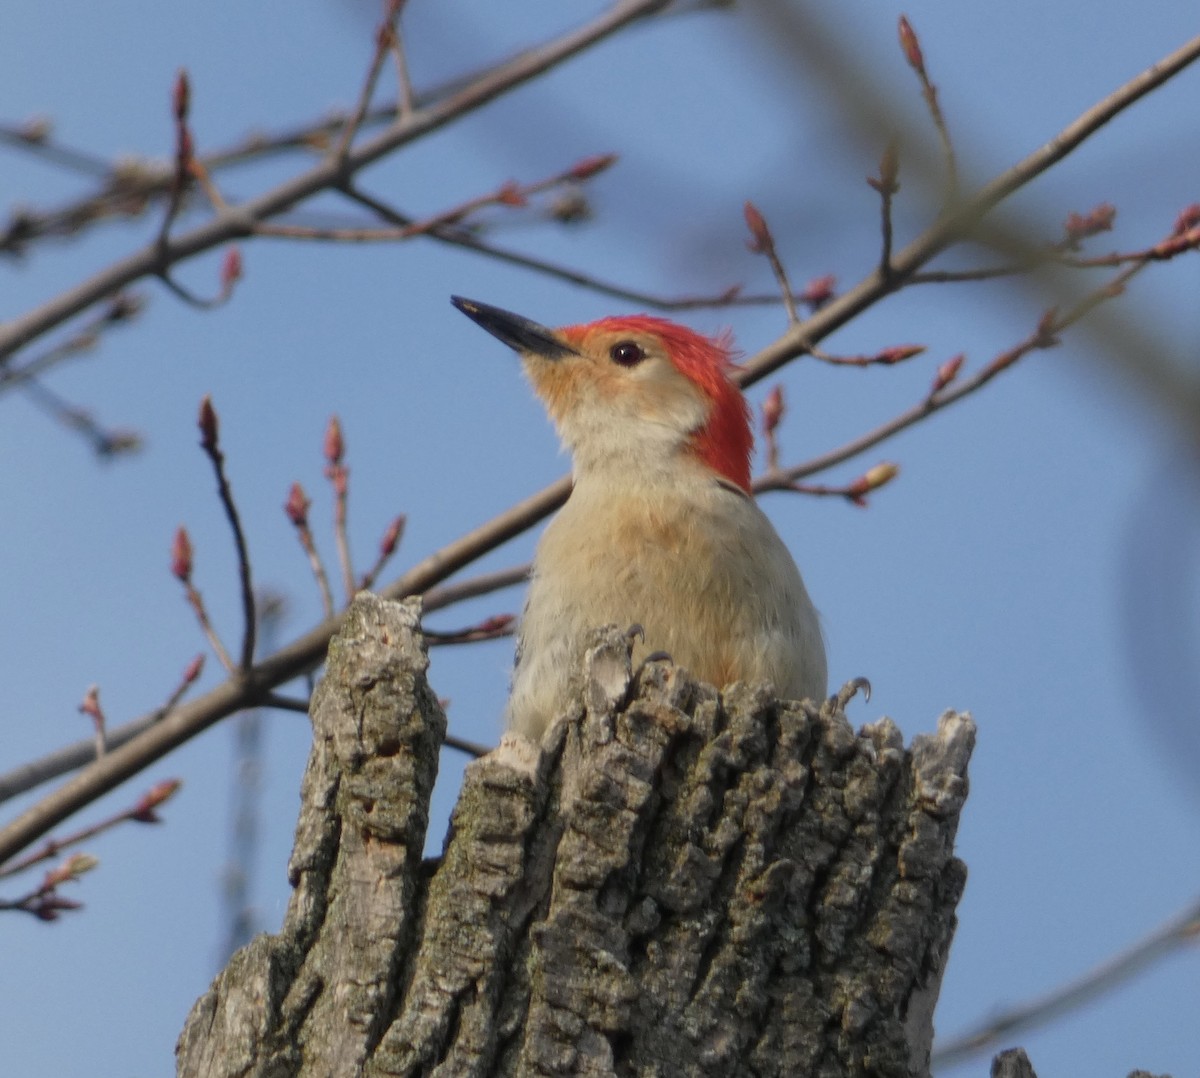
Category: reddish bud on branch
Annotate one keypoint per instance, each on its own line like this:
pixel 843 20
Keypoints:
pixel 71 869
pixel 591 166
pixel 889 171
pixel 296 506
pixel 231 270
pixel 90 706
pixel 761 241
pixel 1189 218
pixel 181 555
pixel 773 409
pixel 391 537
pixel 898 353
pixel 158 794
pixel 819 291
pixel 208 425
pixel 48 907
pixel 1045 336
pixel 911 46
pixel 335 446
pixel 193 670
pixel 181 96
pixel 1078 226
pixel 946 373
pixel 510 194
pixel 874 478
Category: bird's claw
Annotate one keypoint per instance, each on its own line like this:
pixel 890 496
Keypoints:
pixel 850 690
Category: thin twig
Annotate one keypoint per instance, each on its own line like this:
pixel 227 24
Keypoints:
pixel 122 308
pixel 912 52
pixel 493 628
pixel 484 584
pixel 471 748
pixel 387 548
pixel 339 478
pixel 950 392
pixel 508 194
pixel 856 490
pixel 1180 931
pixel 181 568
pixel 35 137
pixel 763 243
pixel 105 441
pixel 180 106
pixel 296 507
pixel 887 185
pixel 142 811
pixel 208 442
pixel 405 95
pixel 384 35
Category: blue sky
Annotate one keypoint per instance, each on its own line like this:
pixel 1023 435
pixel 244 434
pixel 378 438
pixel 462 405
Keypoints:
pixel 1035 562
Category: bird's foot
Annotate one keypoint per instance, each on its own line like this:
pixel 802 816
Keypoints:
pixel 850 690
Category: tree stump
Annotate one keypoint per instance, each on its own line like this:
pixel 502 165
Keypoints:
pixel 676 882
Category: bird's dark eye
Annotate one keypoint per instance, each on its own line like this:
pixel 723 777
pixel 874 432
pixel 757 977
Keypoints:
pixel 627 353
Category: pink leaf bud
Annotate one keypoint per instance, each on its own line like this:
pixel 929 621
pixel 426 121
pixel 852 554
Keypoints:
pixel 1189 218
pixel 231 269
pixel 947 372
pixel 761 235
pixel 819 291
pixel 158 794
pixel 334 446
pixel 296 506
pixel 90 706
pixel 898 353
pixel 591 166
pixel 911 46
pixel 391 538
pixel 510 194
pixel 1078 227
pixel 773 409
pixel 181 96
pixel 1045 336
pixel 208 425
pixel 193 669
pixel 181 555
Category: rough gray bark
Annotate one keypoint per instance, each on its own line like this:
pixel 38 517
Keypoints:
pixel 679 883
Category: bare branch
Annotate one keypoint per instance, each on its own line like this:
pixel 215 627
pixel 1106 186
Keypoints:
pixel 1180 931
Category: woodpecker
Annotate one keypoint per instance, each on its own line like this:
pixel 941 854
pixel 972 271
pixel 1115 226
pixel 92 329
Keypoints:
pixel 660 530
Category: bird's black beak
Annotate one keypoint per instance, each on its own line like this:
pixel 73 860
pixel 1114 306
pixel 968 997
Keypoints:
pixel 515 331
